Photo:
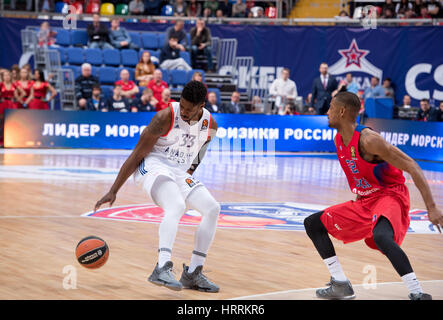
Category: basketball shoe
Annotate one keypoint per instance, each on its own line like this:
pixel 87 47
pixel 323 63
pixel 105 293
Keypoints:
pixel 337 290
pixel 163 277
pixel 197 281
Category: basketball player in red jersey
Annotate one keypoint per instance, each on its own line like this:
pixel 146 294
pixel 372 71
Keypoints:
pixel 380 214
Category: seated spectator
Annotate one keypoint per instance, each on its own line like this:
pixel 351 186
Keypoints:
pixel 239 9
pixel 389 91
pixel 424 14
pixel 197 76
pixel 226 7
pixel 426 113
pixel 347 84
pixel 416 6
pixel 211 103
pixel 144 70
pixel 98 34
pixel 290 109
pixel 40 89
pixel 170 56
pixel 179 8
pixel 388 14
pixel 219 14
pixel 402 6
pixel 165 100
pixel 234 106
pixel 207 13
pixel 439 113
pixel 25 86
pixel 310 111
pixel 194 9
pixel 120 37
pixel 46 36
pixel 157 85
pixel 84 84
pixel 136 7
pixel 283 90
pixel 375 90
pixel 212 5
pixel 96 102
pixel 434 9
pixel 129 88
pixel 406 102
pixel 388 6
pixel 117 102
pixel 153 7
pixel 177 31
pixel 146 102
pixel 201 43
pixel 257 104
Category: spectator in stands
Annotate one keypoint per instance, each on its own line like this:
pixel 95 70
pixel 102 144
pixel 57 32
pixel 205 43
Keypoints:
pixel 179 8
pixel 406 101
pixel 389 91
pixel 98 34
pixel 234 106
pixel 402 6
pixel 170 56
pixel 146 102
pixel 389 5
pixel 96 102
pixel 375 90
pixel 439 113
pixel 120 37
pixel 283 90
pixel 211 103
pixel 219 15
pixel 194 9
pixel 177 30
pixel 153 7
pixel 257 104
pixel 117 102
pixel 24 85
pixel 46 36
pixel 425 113
pixel 409 14
pixel 416 6
pixel 239 9
pixel 40 89
pixel 201 43
pixel 84 84
pixel 290 109
pixel 322 89
pixel 207 13
pixel 351 85
pixel 144 70
pixel 165 100
pixel 198 76
pixel 212 5
pixel 136 7
pixel 424 14
pixel 128 88
pixel 388 14
pixel 157 85
pixel 434 9
pixel 226 7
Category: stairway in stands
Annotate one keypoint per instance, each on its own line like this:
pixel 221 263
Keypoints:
pixel 316 9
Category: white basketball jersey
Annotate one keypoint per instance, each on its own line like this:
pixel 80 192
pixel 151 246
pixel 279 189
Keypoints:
pixel 181 145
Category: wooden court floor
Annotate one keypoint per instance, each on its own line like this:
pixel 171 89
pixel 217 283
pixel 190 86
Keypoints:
pixel 44 194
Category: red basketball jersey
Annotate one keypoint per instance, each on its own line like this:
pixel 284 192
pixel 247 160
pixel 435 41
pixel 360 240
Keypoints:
pixel 365 178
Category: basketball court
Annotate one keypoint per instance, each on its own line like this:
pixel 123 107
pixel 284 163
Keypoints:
pixel 260 251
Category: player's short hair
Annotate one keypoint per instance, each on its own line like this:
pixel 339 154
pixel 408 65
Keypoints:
pixel 349 100
pixel 194 92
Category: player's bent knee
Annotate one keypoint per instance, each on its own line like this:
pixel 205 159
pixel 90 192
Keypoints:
pixel 214 210
pixel 313 222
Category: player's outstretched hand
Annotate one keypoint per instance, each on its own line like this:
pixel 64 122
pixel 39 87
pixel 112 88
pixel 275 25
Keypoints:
pixel 436 217
pixel 109 197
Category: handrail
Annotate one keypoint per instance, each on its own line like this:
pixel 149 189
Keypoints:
pixel 212 20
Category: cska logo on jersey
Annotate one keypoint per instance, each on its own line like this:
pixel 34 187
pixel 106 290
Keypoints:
pixel 353 155
pixel 204 124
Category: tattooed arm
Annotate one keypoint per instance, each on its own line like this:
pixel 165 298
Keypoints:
pixel 158 126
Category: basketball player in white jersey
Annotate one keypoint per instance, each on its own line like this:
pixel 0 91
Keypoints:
pixel 162 163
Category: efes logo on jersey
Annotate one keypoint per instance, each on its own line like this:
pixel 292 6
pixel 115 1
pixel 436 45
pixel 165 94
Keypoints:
pixel 204 124
pixel 288 216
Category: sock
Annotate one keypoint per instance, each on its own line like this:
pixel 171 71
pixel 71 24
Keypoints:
pixel 196 260
pixel 335 269
pixel 412 283
pixel 163 257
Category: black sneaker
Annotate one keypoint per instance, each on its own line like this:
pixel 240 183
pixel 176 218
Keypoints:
pixel 164 277
pixel 197 281
pixel 420 296
pixel 337 290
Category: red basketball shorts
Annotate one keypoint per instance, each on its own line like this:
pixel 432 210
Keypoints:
pixel 354 220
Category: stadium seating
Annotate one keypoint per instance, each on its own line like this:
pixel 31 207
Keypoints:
pixel 111 57
pixel 61 7
pixel 107 9
pixel 78 7
pixel 93 7
pixel 136 39
pixel 178 77
pixel 76 70
pixel 167 10
pixel 129 57
pixel 75 55
pixel 63 37
pixel 191 73
pixel 186 56
pixel 161 40
pixel 107 75
pixel 62 52
pixel 150 41
pixel 79 37
pixel 122 9
pixel 93 56
pixel 166 76
pixel 107 91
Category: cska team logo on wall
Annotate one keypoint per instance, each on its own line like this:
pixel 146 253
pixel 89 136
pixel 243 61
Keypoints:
pixel 354 60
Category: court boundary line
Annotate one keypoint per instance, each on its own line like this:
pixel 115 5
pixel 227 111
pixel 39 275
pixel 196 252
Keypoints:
pixel 309 289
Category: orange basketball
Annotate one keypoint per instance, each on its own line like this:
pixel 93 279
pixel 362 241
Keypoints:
pixel 92 252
